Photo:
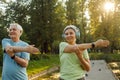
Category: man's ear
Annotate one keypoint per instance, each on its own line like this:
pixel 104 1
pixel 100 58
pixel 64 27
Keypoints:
pixel 9 34
pixel 21 33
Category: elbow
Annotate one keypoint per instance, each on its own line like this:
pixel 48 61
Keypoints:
pixel 24 65
pixel 88 69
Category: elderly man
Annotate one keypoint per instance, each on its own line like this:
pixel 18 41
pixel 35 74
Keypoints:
pixel 16 54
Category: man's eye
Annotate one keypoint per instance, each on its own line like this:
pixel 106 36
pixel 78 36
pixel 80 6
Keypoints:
pixel 10 29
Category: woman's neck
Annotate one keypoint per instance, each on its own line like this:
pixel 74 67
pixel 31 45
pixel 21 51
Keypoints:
pixel 73 43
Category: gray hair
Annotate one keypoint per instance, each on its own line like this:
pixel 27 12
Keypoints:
pixel 17 26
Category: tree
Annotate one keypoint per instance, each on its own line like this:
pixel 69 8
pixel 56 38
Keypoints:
pixel 75 10
pixel 104 24
pixel 46 17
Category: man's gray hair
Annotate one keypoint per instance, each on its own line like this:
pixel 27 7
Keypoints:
pixel 17 26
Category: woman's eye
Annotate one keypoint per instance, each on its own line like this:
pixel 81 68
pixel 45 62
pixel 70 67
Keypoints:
pixel 71 33
pixel 66 33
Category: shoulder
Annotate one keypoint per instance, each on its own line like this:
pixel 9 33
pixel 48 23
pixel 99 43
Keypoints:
pixel 63 43
pixel 5 39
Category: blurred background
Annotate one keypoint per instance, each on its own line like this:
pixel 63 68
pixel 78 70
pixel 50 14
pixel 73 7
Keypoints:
pixel 43 22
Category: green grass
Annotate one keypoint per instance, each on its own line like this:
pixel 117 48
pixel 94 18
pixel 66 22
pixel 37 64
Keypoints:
pixel 36 66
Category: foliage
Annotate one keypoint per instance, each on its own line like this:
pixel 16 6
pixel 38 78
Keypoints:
pixel 39 56
pixel 1 59
pixel 56 47
pixel 108 57
pixel 105 24
pixel 44 20
pixel 1 56
pixel 40 20
pixel 75 10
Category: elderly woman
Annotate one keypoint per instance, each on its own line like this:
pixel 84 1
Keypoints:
pixel 74 59
pixel 16 54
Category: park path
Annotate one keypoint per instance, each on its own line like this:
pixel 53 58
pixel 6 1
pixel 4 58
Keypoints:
pixel 100 71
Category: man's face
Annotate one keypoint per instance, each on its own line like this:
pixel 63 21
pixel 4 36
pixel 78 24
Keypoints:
pixel 14 32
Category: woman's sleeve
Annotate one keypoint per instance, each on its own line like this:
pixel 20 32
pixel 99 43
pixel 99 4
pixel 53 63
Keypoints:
pixel 62 47
pixel 85 54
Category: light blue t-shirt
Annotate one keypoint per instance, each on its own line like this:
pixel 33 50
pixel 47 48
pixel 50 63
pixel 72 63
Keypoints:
pixel 12 70
pixel 70 68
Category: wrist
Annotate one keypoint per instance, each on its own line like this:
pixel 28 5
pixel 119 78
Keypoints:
pixel 13 57
pixel 93 45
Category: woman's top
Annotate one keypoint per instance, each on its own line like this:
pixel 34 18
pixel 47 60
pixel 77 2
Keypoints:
pixel 70 68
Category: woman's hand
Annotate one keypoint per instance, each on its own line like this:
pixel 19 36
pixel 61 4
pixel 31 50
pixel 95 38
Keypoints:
pixel 101 43
pixel 77 50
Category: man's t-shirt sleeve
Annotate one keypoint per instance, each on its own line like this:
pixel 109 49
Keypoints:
pixel 5 42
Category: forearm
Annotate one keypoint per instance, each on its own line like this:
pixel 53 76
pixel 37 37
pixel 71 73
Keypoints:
pixel 72 48
pixel 19 49
pixel 85 46
pixel 22 62
pixel 84 63
pixel 98 43
pixel 29 49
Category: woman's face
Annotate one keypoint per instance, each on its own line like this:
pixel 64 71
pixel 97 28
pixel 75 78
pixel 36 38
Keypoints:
pixel 14 32
pixel 70 36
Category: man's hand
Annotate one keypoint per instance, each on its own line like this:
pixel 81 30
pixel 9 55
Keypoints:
pixel 31 49
pixel 9 51
pixel 101 43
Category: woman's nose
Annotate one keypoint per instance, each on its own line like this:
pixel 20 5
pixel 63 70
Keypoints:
pixel 68 35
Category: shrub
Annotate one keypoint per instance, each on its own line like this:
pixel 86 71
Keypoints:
pixel 107 57
pixel 39 56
